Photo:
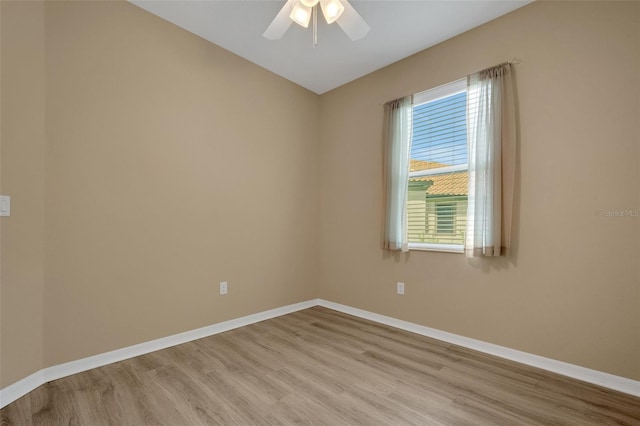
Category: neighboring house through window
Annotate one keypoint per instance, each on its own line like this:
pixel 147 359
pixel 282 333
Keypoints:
pixel 438 169
pixel 446 218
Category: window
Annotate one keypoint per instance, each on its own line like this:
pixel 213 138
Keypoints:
pixel 438 169
pixel 449 166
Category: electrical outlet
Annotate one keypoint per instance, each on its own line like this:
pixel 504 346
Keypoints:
pixel 5 205
pixel 400 288
pixel 223 287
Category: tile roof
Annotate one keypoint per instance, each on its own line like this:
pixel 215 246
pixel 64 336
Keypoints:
pixel 446 184
pixel 417 165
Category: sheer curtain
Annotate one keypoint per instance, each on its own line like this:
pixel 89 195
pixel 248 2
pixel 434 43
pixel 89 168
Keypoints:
pixel 397 133
pixel 492 154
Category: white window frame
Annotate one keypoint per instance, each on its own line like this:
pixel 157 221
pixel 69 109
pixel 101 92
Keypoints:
pixel 431 95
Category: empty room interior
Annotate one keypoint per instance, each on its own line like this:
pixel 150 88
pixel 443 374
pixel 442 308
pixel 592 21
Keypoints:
pixel 202 225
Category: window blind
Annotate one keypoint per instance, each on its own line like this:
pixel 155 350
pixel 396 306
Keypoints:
pixel 438 177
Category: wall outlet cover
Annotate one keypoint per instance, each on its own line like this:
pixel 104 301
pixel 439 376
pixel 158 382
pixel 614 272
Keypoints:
pixel 5 205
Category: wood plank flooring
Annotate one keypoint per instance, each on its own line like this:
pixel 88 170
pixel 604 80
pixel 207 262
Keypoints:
pixel 319 367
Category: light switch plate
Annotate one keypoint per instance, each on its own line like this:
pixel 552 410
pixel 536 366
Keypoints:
pixel 5 205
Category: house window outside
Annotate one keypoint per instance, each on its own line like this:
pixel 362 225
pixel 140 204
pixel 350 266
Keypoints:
pixel 446 218
pixel 438 170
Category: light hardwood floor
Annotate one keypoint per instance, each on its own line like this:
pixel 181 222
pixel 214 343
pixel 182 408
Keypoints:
pixel 319 366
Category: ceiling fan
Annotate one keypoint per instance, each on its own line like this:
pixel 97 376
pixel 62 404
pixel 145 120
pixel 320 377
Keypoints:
pixel 302 11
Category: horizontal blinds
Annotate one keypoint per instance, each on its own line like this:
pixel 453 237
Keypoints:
pixel 438 177
pixel 440 133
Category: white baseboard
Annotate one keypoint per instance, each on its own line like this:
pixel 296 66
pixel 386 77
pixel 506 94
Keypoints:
pixel 26 385
pixel 21 388
pixel 607 380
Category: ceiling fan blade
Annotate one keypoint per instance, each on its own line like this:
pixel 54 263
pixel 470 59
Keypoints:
pixel 352 23
pixel 280 23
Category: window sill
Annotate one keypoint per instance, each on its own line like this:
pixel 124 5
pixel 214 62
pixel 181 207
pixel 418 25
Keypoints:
pixel 444 248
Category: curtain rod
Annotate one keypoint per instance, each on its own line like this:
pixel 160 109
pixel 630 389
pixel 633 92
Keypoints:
pixel 513 61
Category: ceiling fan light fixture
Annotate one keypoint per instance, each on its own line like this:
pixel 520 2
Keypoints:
pixel 331 9
pixel 339 11
pixel 301 14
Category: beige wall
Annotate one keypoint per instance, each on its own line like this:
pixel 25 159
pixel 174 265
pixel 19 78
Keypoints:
pixel 22 177
pixel 172 164
pixel 571 292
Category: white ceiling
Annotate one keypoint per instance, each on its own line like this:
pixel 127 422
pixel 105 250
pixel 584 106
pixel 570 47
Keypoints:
pixel 398 29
